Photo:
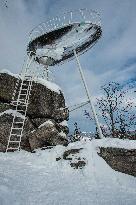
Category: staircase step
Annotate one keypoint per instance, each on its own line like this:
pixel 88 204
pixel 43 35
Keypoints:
pixel 11 148
pixel 14 141
pixel 18 122
pixel 24 89
pixel 20 104
pixel 22 100
pixel 22 97
pixel 20 110
pixel 17 128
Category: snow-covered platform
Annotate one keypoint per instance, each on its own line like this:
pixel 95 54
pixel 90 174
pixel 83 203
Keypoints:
pixel 58 45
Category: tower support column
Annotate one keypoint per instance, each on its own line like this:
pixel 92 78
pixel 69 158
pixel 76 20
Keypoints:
pixel 88 95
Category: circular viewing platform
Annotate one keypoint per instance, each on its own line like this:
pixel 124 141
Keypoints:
pixel 56 44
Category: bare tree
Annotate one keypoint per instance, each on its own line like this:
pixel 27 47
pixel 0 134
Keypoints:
pixel 5 3
pixel 116 110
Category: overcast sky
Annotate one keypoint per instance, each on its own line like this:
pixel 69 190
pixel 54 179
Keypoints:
pixel 113 58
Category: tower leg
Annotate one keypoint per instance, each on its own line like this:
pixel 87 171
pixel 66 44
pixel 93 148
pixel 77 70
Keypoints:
pixel 88 95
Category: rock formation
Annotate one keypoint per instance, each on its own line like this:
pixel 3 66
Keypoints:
pixel 121 160
pixel 46 121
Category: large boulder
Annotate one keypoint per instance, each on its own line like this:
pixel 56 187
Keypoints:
pixel 7 85
pixel 60 126
pixel 121 160
pixel 46 135
pixel 46 104
pixel 46 99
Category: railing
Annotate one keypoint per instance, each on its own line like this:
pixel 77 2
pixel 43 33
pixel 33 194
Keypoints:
pixel 81 15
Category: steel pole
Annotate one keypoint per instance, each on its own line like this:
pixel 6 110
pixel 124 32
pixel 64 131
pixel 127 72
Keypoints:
pixel 88 95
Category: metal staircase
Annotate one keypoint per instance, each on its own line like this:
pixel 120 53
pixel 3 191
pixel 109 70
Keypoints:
pixel 18 120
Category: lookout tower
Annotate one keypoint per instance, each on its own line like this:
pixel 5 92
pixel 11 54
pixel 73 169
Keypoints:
pixel 51 43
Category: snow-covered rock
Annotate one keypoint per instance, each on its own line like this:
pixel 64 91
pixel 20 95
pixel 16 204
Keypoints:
pixel 116 143
pixel 46 135
pixel 46 98
pixel 120 159
pixel 48 122
pixel 46 107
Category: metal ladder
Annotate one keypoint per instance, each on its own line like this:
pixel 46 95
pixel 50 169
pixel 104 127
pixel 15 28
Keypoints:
pixel 15 91
pixel 18 121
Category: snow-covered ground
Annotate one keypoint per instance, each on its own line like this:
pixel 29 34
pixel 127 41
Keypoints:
pixel 38 179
